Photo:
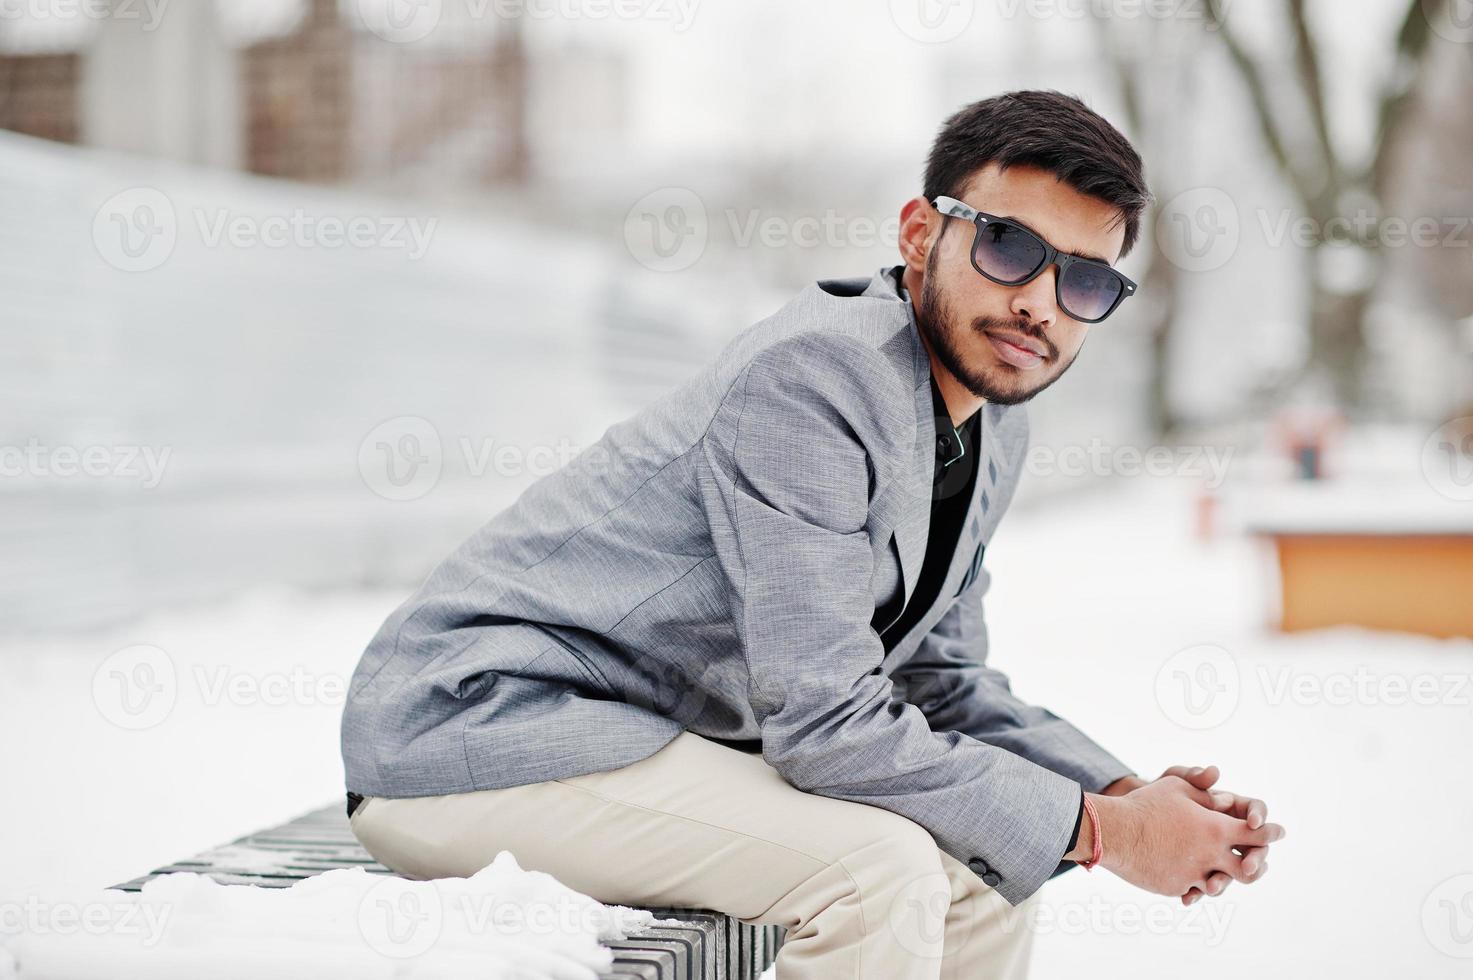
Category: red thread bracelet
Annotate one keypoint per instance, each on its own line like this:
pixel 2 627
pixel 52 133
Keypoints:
pixel 1099 848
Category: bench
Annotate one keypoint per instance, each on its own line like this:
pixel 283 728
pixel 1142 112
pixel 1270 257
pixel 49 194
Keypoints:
pixel 709 946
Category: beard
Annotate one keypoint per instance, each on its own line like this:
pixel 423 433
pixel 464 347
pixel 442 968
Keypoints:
pixel 998 382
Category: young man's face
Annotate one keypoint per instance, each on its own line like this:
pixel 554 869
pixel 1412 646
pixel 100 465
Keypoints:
pixel 1004 343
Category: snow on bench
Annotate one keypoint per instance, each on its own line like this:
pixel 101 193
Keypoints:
pixel 701 945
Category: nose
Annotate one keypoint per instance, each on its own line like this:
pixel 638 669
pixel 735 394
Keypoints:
pixel 1037 300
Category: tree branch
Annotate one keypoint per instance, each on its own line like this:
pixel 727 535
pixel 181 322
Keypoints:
pixel 1258 92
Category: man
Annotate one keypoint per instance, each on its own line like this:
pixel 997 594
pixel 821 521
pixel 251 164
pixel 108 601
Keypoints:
pixel 733 656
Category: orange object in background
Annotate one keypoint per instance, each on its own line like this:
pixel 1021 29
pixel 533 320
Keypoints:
pixel 1418 583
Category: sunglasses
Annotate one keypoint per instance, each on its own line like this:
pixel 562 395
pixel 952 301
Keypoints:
pixel 1011 254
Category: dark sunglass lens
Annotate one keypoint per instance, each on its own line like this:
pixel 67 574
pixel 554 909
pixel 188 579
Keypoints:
pixel 1088 291
pixel 1007 252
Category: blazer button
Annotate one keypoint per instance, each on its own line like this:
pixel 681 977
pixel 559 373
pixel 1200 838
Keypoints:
pixel 991 879
pixel 978 865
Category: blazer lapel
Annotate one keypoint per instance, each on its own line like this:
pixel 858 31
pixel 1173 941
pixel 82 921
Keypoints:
pixel 915 521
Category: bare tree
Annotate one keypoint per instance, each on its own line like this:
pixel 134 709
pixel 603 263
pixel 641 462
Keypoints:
pixel 1325 182
pixel 1147 77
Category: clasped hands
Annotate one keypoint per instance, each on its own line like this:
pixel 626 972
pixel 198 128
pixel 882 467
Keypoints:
pixel 1177 835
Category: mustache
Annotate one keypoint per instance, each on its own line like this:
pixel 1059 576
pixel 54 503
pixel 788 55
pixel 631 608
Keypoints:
pixel 991 324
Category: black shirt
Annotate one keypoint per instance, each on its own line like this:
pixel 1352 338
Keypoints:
pixel 953 480
pixel 953 483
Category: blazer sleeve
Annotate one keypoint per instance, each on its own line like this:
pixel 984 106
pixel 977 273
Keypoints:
pixel 806 433
pixel 949 680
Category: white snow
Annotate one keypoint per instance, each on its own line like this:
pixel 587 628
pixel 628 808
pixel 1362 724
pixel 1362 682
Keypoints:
pixel 1103 607
pixel 502 922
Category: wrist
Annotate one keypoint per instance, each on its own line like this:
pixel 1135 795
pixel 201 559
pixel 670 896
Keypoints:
pixel 1115 819
pixel 1084 845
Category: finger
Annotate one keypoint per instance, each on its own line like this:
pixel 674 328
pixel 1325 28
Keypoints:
pixel 1192 896
pixel 1258 836
pixel 1201 777
pixel 1255 812
pixel 1198 796
pixel 1255 859
pixel 1230 867
pixel 1217 882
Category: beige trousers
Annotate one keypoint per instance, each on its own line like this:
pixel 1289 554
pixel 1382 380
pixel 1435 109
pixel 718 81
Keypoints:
pixel 863 892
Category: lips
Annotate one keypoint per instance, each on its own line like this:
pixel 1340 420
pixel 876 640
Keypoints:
pixel 1017 350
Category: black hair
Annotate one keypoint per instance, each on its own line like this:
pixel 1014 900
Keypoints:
pixel 1045 129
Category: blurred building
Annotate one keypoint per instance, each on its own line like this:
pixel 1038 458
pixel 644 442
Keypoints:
pixel 304 89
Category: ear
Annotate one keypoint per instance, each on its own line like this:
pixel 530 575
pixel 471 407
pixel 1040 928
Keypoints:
pixel 920 223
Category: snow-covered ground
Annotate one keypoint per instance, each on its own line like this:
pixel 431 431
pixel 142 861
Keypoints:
pixel 1104 607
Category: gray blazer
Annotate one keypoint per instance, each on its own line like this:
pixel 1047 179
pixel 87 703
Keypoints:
pixel 715 563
